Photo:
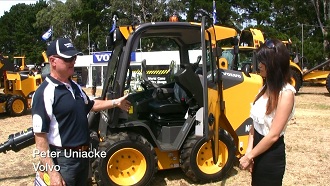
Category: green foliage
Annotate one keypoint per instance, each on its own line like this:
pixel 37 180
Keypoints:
pixel 313 53
pixel 87 22
pixel 18 36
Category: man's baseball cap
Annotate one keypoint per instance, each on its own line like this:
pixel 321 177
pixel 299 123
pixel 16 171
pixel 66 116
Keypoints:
pixel 62 47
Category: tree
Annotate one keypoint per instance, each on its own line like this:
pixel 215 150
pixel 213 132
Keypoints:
pixel 57 16
pixel 18 37
pixel 84 20
pixel 304 30
pixel 260 11
pixel 323 18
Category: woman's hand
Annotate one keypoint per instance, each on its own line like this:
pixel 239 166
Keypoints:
pixel 250 167
pixel 245 163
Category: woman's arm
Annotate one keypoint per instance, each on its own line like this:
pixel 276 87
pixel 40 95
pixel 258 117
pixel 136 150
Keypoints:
pixel 250 147
pixel 250 142
pixel 283 111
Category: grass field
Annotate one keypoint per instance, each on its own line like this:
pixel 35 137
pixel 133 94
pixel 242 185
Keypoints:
pixel 307 146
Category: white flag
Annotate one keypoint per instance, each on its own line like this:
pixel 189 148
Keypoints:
pixel 47 34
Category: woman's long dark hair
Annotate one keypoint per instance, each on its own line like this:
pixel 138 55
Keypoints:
pixel 274 54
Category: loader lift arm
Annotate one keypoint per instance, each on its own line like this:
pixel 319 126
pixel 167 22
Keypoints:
pixel 214 104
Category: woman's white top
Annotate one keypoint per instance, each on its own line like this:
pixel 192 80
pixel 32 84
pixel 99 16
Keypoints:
pixel 262 122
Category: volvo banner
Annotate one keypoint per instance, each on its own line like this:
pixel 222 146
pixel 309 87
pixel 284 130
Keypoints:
pixel 104 57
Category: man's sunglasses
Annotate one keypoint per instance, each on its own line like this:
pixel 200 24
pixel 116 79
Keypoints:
pixel 67 60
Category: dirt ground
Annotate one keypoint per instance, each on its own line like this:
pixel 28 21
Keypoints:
pixel 307 146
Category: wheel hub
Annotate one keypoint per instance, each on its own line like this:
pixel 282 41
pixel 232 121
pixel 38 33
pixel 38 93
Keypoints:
pixel 18 106
pixel 205 158
pixel 126 166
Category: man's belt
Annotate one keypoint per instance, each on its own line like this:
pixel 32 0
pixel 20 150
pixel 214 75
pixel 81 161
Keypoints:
pixel 77 148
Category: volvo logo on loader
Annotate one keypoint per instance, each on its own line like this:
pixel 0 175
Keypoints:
pixel 231 74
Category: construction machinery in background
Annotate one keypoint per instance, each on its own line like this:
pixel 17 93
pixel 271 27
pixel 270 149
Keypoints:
pixel 18 88
pixel 20 64
pixel 44 68
pixel 244 59
pixel 4 66
pixel 198 122
pixel 241 56
pixel 319 74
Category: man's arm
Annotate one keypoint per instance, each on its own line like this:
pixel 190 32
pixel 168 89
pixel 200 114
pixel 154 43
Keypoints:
pixel 121 102
pixel 43 146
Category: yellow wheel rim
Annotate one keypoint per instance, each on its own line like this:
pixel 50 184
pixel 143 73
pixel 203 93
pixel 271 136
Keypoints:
pixel 18 106
pixel 204 158
pixel 126 166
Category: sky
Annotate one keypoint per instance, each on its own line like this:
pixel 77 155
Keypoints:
pixel 5 5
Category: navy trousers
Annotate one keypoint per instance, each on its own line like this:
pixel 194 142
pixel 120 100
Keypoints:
pixel 73 170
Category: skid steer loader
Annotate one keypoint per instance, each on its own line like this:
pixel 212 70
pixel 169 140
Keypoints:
pixel 199 122
pixel 18 88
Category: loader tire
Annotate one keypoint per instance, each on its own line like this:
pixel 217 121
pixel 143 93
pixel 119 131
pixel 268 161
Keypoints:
pixel 296 80
pixel 130 160
pixel 16 105
pixel 327 84
pixel 197 159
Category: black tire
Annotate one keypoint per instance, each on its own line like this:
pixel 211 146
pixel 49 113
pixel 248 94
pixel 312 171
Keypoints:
pixel 16 105
pixel 138 156
pixel 327 83
pixel 197 161
pixel 296 80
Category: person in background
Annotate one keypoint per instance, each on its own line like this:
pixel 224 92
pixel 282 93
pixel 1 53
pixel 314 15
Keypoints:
pixel 271 111
pixel 93 90
pixel 59 115
pixel 33 71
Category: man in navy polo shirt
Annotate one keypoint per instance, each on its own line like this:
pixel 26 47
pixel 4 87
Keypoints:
pixel 59 114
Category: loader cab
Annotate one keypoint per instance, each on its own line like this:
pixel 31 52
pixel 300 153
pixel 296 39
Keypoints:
pixel 163 51
pixel 20 64
pixel 241 56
